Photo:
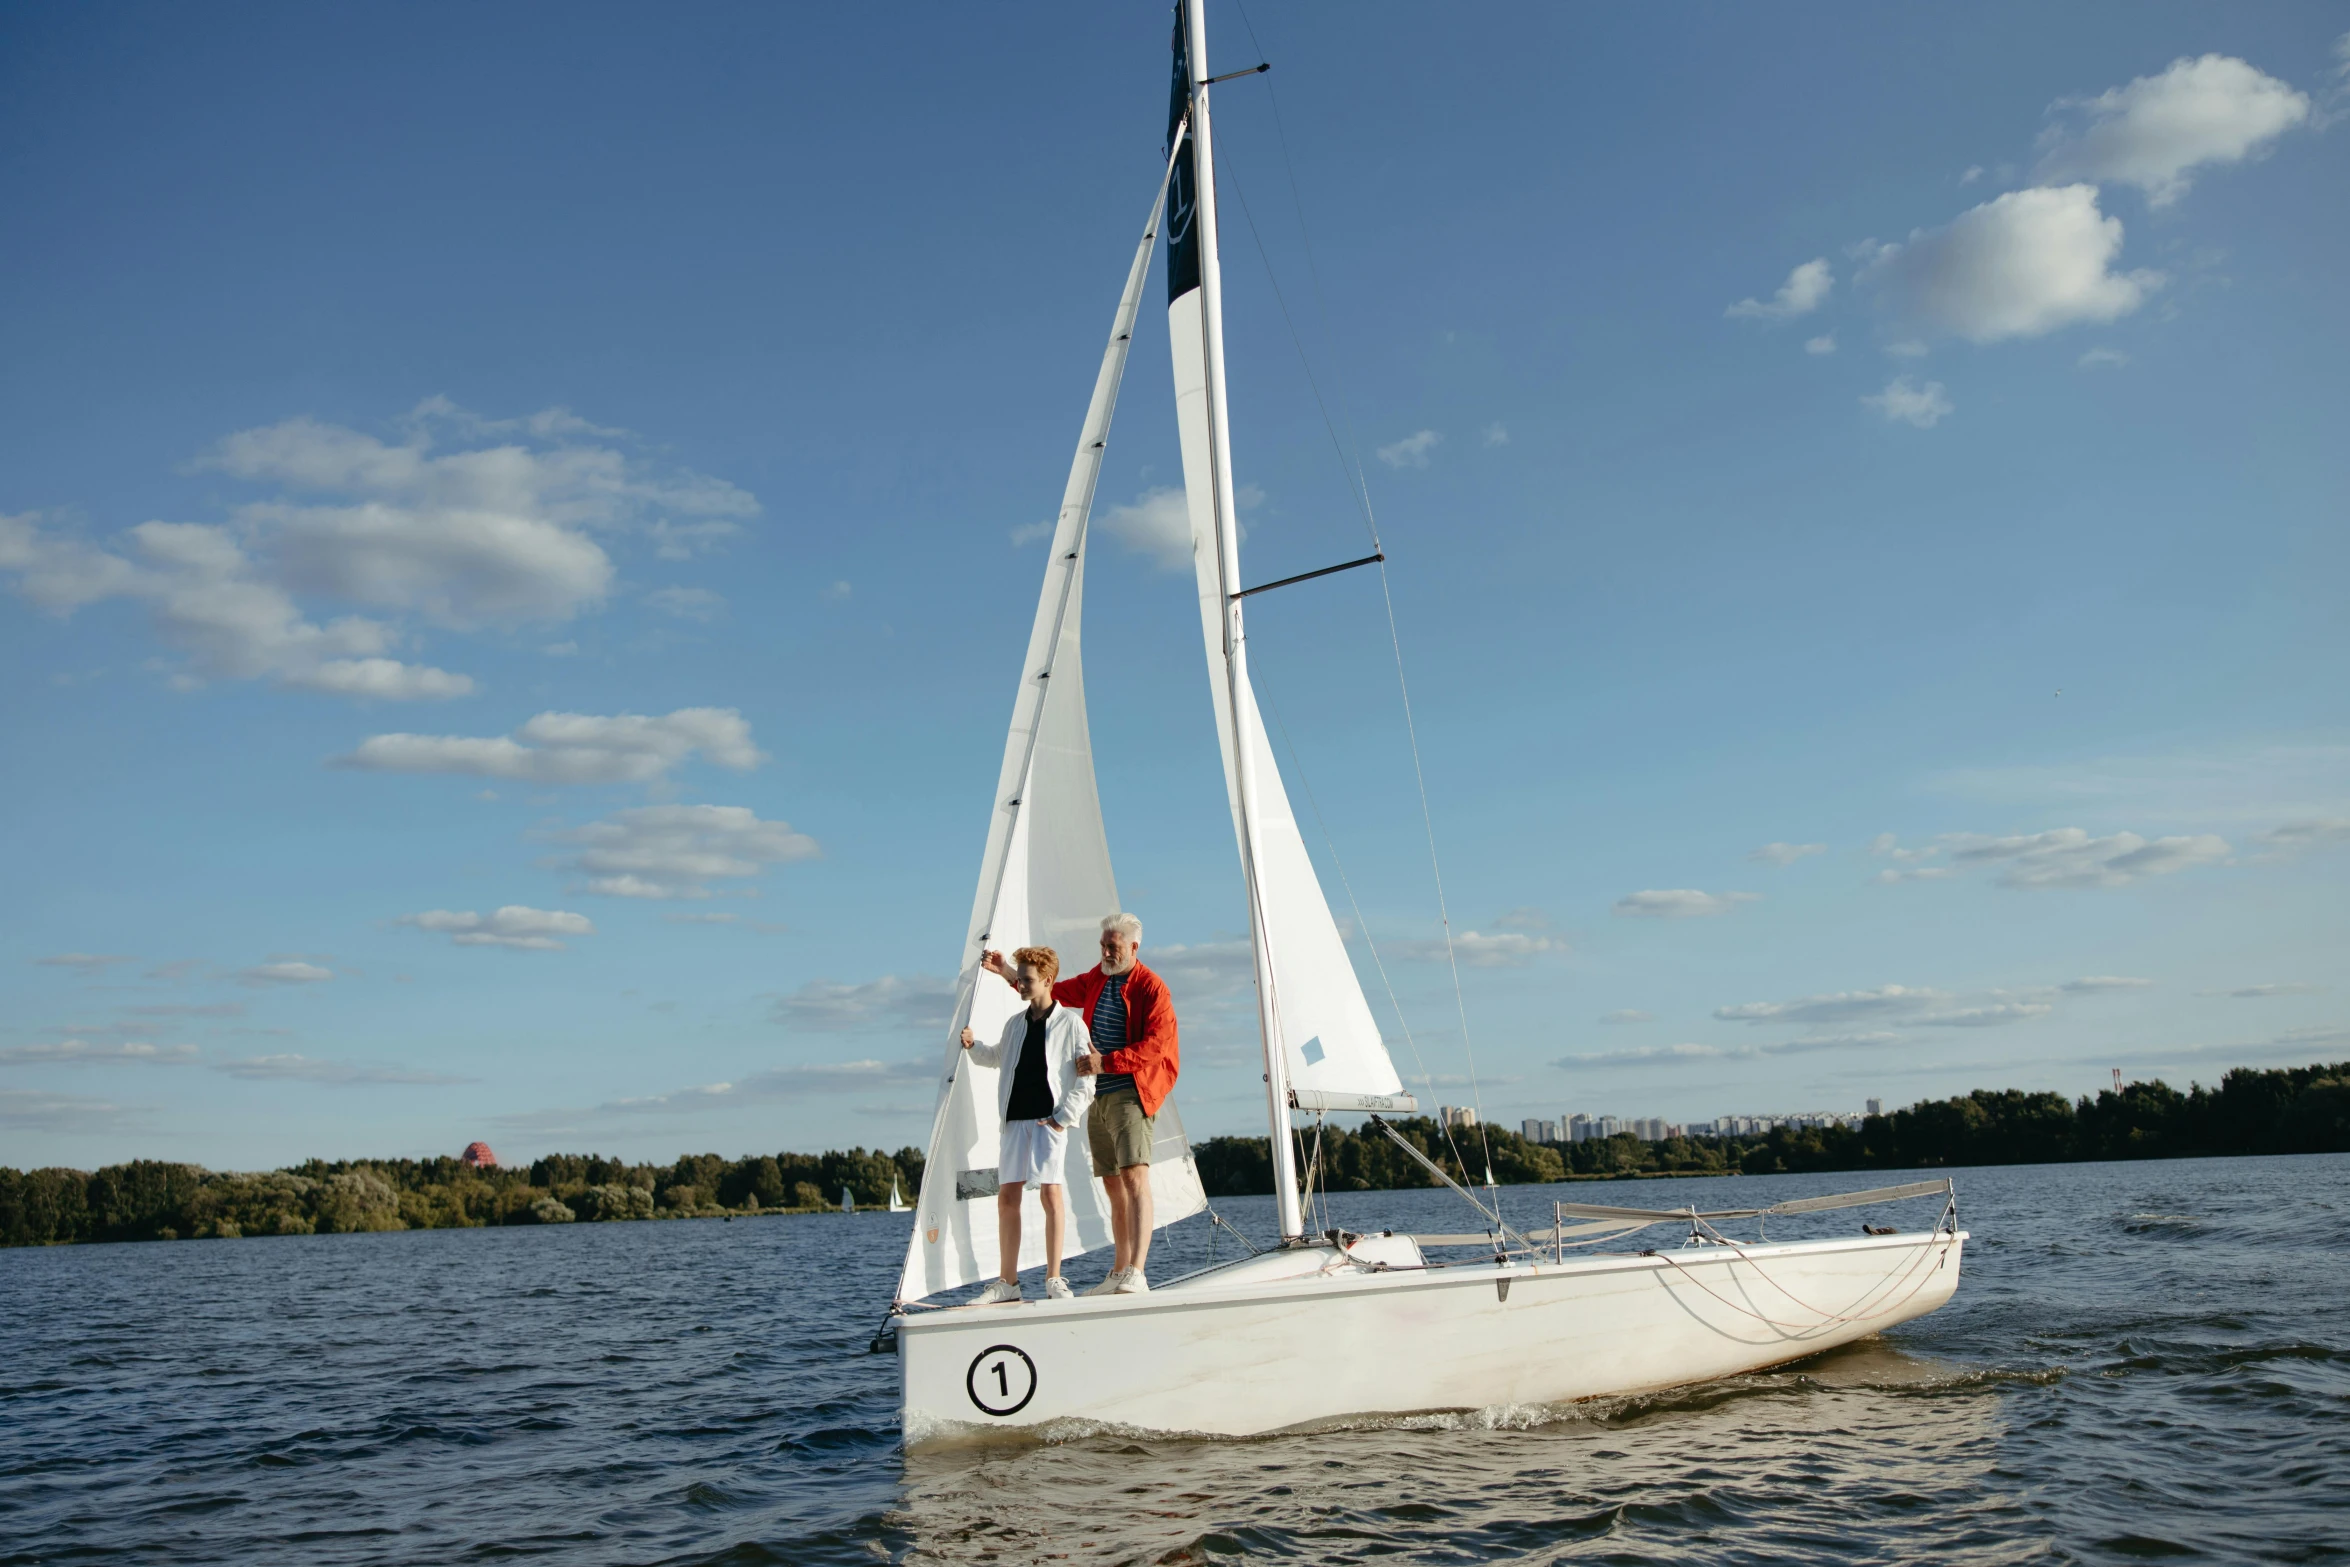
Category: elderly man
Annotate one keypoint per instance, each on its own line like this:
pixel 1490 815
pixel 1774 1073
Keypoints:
pixel 1134 1062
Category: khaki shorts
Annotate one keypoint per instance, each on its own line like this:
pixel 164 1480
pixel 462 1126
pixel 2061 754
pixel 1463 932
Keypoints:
pixel 1118 1132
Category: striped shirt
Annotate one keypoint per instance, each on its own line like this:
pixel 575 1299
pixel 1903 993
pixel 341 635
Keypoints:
pixel 1109 1031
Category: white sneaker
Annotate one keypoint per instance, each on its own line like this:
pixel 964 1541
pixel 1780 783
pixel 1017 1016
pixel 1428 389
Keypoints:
pixel 1057 1288
pixel 1109 1286
pixel 1134 1283
pixel 997 1293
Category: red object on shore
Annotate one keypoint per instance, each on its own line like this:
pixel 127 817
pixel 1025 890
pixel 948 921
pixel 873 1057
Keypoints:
pixel 479 1156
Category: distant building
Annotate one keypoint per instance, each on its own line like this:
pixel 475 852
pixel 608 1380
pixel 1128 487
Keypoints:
pixel 1578 1128
pixel 1459 1117
pixel 1876 1107
pixel 1538 1131
pixel 478 1156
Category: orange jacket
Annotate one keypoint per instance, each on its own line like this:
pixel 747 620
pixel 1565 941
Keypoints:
pixel 1150 1052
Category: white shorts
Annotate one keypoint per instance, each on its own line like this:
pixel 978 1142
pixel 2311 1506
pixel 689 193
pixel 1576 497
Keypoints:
pixel 1032 1154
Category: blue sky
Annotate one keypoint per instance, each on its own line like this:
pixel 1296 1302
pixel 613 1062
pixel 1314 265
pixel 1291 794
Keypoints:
pixel 514 553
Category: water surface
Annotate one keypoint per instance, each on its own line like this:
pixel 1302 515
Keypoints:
pixel 2143 1360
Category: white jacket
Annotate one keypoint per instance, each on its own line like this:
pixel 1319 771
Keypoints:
pixel 1065 1039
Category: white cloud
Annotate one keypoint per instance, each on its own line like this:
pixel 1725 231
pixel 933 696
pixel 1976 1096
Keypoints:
pixel 1825 343
pixel 208 598
pixel 1839 1007
pixel 523 929
pixel 2152 133
pixel 1974 172
pixel 1635 1054
pixel 1874 1039
pixel 571 748
pixel 685 540
pixel 1785 853
pixel 916 1001
pixel 1478 949
pixel 1412 451
pixel 1031 533
pixel 777 1085
pixel 1627 1015
pixel 2263 992
pixel 1806 287
pixel 1680 903
pixel 1907 863
pixel 838 592
pixel 1986 1016
pixel 1497 434
pixel 33 1110
pixel 2095 982
pixel 2069 857
pixel 2097 357
pixel 74 1051
pixel 285 973
pixel 2019 265
pixel 309 1069
pixel 1693 1052
pixel 688 603
pixel 1156 523
pixel 90 964
pixel 1905 401
pixel 477 535
pixel 1207 970
pixel 2325 832
pixel 676 851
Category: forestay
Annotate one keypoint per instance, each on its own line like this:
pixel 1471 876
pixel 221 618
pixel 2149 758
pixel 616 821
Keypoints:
pixel 1045 880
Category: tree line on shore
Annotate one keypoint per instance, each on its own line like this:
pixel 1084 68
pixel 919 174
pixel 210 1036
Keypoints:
pixel 2252 1111
pixel 151 1199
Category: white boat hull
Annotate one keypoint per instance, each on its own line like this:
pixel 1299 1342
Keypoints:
pixel 1233 1353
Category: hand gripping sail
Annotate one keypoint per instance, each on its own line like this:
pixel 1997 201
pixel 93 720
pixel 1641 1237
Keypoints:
pixel 1045 880
pixel 1322 1046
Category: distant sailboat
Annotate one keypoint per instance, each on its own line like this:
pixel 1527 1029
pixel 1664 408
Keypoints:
pixel 897 1204
pixel 848 1204
pixel 1332 1324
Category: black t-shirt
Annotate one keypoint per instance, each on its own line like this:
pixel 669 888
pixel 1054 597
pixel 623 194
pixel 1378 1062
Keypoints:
pixel 1032 1091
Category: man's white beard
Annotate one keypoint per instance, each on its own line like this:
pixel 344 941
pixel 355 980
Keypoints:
pixel 1114 969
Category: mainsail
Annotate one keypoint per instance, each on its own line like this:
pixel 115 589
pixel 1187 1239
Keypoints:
pixel 1045 880
pixel 1322 1047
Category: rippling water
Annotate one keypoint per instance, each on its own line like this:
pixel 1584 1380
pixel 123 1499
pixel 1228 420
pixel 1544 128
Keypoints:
pixel 2143 1360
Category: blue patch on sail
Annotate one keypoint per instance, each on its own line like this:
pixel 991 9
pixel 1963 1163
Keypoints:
pixel 1312 1050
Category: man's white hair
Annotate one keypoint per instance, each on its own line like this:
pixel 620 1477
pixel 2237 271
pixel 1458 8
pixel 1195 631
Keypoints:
pixel 1127 925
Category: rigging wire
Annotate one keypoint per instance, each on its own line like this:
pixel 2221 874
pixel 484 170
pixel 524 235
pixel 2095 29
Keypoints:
pixel 1346 883
pixel 1359 485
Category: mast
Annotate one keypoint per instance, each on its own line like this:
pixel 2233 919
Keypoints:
pixel 1195 61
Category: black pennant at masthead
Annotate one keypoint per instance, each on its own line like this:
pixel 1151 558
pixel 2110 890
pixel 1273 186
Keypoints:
pixel 1183 189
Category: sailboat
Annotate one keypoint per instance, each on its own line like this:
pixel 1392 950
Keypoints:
pixel 897 1203
pixel 1325 1325
pixel 848 1203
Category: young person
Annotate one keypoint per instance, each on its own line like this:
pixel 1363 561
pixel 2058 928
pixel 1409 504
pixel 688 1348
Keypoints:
pixel 1041 1094
pixel 1131 1021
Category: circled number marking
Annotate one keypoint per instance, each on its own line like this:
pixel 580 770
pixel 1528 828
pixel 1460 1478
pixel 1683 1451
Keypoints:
pixel 1002 1380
